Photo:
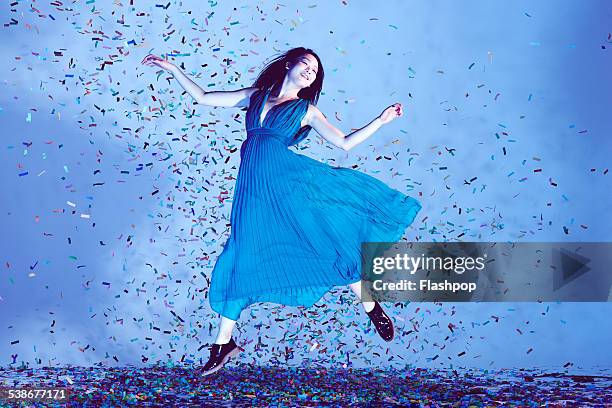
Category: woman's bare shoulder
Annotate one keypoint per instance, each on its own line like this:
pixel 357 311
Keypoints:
pixel 244 96
pixel 238 98
pixel 311 112
pixel 250 90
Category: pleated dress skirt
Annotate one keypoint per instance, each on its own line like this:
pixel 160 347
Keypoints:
pixel 297 224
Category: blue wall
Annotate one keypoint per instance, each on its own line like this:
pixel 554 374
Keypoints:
pixel 111 177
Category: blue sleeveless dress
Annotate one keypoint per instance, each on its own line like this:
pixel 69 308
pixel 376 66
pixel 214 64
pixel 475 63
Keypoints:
pixel 297 224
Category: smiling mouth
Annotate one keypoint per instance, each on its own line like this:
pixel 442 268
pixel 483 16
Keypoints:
pixel 305 77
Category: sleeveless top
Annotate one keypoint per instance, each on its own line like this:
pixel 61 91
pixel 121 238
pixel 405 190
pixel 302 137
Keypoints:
pixel 282 121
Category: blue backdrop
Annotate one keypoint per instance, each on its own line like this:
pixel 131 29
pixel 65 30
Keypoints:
pixel 117 188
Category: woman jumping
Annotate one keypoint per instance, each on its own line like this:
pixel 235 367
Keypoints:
pixel 296 224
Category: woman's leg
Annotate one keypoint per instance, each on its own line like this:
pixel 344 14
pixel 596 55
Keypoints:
pixel 356 288
pixel 224 348
pixel 226 327
pixel 382 322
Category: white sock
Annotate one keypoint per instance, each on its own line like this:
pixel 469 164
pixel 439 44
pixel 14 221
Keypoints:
pixel 368 306
pixel 223 340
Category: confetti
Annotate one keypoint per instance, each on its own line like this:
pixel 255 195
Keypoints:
pixel 153 175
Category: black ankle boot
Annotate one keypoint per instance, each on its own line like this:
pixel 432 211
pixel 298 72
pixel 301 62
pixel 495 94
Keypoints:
pixel 219 355
pixel 382 322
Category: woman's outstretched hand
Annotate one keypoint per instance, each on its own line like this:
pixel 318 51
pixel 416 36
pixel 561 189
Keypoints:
pixel 155 61
pixel 392 112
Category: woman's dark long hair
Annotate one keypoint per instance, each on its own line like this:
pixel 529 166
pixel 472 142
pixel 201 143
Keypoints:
pixel 272 76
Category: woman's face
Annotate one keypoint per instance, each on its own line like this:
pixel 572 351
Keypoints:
pixel 304 70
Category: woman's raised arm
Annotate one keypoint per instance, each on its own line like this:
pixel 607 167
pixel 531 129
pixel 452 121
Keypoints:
pixel 238 98
pixel 319 123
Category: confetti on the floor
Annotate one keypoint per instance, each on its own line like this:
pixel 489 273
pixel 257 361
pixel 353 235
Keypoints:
pixel 274 386
pixel 134 182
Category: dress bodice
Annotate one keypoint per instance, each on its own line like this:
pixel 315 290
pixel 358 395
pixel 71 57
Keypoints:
pixel 283 121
